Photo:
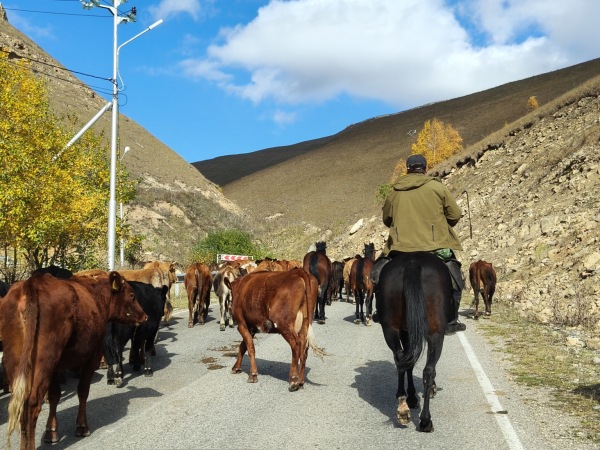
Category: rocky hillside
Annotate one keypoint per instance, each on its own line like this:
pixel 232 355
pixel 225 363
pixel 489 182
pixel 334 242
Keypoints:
pixel 534 192
pixel 195 205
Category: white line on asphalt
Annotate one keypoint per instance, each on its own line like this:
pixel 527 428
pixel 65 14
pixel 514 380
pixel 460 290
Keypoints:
pixel 507 430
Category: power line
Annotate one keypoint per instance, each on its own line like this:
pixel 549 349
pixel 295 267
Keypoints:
pixel 55 13
pixel 58 67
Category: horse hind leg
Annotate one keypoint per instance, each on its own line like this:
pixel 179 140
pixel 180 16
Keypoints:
pixel 434 351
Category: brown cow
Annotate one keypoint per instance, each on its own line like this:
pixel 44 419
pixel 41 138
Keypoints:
pixel 276 302
pixel 198 282
pixel 169 279
pixel 93 273
pixel 223 291
pixel 267 265
pixel 156 278
pixel 482 272
pixel 49 325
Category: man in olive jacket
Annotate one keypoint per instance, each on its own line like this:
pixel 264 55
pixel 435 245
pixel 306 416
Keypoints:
pixel 420 213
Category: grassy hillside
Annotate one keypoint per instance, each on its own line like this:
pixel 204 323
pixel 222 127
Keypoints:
pixel 337 180
pixel 166 177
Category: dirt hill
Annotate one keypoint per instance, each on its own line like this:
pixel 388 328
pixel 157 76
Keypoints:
pixel 338 179
pixel 195 206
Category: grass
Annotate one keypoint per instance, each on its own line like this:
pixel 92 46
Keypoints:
pixel 539 358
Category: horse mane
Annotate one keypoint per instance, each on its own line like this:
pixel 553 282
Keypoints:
pixel 369 250
pixel 321 246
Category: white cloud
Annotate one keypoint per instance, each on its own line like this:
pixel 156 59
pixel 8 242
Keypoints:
pixel 26 27
pixel 405 53
pixel 283 117
pixel 167 8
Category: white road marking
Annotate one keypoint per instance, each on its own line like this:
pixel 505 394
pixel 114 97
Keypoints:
pixel 505 426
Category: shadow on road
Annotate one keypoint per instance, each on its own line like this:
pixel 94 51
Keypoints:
pixel 377 382
pixel 274 369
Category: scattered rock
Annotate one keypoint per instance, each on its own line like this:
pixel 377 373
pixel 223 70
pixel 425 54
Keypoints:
pixel 591 262
pixel 357 226
pixel 593 343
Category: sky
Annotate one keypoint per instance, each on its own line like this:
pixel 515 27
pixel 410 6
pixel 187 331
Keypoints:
pixel 222 77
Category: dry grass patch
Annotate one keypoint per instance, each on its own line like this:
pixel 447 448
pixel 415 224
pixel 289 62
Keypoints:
pixel 539 357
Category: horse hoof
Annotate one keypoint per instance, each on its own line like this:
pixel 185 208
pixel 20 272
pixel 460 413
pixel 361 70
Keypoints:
pixel 403 417
pixel 368 323
pixel 357 321
pixel 235 371
pixel 321 322
pixel 148 373
pixel 110 382
pixel 253 378
pixel 476 317
pixel 118 382
pixel 51 436
pixel 82 431
pixel 426 426
pixel 294 386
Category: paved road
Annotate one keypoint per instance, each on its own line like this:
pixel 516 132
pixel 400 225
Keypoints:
pixel 348 401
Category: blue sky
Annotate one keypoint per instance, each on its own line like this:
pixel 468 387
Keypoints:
pixel 234 76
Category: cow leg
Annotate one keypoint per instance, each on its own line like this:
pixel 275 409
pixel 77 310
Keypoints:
pixel 31 412
pixel 51 434
pixel 237 367
pixel 136 345
pixel 83 390
pixel 229 311
pixel 476 317
pixel 303 352
pixel 191 307
pixel 222 304
pixel 292 338
pixel 119 363
pixel 147 368
pixel 249 347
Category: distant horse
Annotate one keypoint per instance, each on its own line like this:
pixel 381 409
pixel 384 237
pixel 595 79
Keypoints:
pixel 318 264
pixel 361 285
pixel 347 268
pixel 337 281
pixel 482 272
pixel 414 304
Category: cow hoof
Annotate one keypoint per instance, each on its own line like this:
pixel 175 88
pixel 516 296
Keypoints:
pixel 118 382
pixel 426 426
pixel 235 371
pixel 82 431
pixel 137 367
pixel 190 324
pixel 51 436
pixel 253 378
pixel 294 387
pixel 110 382
pixel 368 323
pixel 148 373
pixel 222 327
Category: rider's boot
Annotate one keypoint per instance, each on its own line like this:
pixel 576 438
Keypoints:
pixel 455 325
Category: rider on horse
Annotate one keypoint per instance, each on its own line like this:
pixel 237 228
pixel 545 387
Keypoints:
pixel 420 213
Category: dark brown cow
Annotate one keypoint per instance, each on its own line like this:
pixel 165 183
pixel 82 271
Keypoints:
pixel 276 302
pixel 49 325
pixel 198 282
pixel 483 279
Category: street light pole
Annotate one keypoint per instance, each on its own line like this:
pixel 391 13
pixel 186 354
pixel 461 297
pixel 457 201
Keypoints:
pixel 112 204
pixel 121 203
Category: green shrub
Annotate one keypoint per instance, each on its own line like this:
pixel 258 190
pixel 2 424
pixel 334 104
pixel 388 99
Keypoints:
pixel 383 190
pixel 233 242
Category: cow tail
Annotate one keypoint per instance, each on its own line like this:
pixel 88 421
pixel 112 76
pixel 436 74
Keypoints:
pixel 22 383
pixel 313 267
pixel 416 316
pixel 311 342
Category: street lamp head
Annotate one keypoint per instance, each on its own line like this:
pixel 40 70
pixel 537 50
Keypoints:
pixel 89 4
pixel 155 24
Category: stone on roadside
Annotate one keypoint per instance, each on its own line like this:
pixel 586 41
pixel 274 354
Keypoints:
pixel 357 226
pixel 593 343
pixel 572 341
pixel 591 262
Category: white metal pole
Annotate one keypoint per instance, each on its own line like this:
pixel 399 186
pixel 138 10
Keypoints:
pixel 112 206
pixel 121 203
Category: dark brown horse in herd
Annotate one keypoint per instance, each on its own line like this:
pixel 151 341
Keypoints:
pixel 318 265
pixel 361 285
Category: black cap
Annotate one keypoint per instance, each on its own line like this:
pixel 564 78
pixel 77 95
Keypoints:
pixel 416 161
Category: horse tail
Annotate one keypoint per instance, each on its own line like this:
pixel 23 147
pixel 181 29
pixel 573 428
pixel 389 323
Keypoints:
pixel 416 316
pixel 313 267
pixel 23 380
pixel 360 266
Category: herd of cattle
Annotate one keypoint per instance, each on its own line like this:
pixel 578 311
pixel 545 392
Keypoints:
pixel 56 321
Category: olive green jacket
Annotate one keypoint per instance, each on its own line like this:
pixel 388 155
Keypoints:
pixel 420 213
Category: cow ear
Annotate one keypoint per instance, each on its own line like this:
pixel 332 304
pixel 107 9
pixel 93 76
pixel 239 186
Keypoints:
pixel 115 281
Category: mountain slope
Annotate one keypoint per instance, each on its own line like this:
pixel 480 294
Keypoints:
pixel 338 179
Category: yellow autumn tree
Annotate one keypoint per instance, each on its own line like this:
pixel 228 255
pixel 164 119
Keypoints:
pixel 53 209
pixel 437 141
pixel 532 104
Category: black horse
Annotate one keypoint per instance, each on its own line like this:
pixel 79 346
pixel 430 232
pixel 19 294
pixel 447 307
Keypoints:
pixel 318 264
pixel 413 306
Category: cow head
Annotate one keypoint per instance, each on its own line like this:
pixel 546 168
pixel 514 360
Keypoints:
pixel 124 308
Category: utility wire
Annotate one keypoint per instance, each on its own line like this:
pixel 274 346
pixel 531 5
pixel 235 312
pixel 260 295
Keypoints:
pixel 56 13
pixel 58 67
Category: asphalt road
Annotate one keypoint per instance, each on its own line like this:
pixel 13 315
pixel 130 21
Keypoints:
pixel 193 401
